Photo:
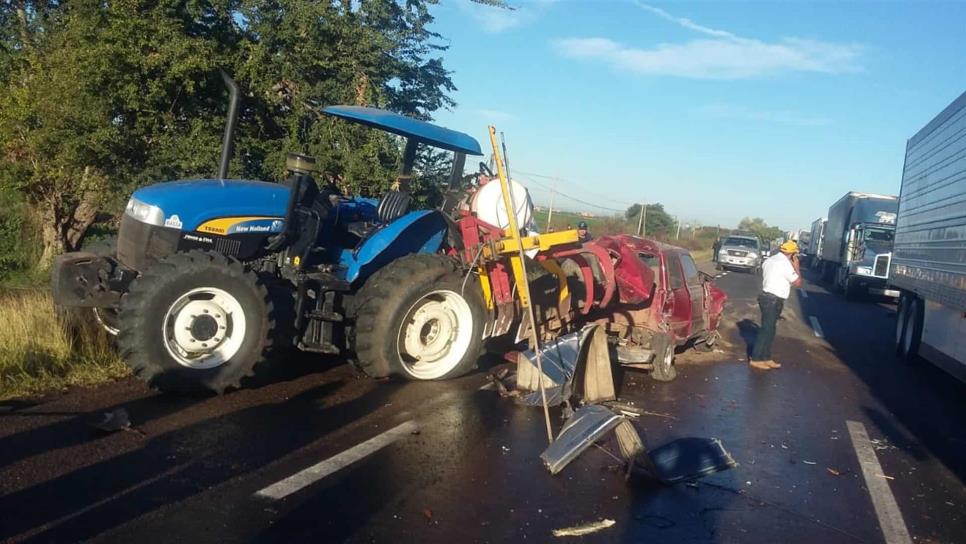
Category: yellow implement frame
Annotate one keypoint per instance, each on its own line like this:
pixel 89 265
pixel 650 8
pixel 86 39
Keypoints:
pixel 519 270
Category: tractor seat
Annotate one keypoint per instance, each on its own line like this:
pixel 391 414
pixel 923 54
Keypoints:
pixel 393 206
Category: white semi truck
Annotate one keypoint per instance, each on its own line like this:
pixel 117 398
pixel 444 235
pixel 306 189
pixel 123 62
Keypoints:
pixel 929 259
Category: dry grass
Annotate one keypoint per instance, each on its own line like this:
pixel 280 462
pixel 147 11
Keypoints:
pixel 701 255
pixel 42 349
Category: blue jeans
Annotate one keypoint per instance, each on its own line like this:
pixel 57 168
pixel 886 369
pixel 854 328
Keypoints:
pixel 771 307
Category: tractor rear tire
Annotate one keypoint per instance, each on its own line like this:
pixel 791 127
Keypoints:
pixel 416 318
pixel 663 367
pixel 198 322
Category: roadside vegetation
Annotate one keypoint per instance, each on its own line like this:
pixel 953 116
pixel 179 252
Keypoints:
pixel 42 350
pixel 659 226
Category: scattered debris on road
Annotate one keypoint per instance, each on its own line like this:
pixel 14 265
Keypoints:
pixel 114 421
pixel 586 529
pixel 578 373
pixel 833 472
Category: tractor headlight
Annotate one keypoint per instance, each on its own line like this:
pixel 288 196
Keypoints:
pixel 145 213
pixel 863 270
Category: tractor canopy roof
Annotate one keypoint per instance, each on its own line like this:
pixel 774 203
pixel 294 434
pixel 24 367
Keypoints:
pixel 420 131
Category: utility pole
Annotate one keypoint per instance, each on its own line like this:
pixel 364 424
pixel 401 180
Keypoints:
pixel 550 214
pixel 677 231
pixel 640 222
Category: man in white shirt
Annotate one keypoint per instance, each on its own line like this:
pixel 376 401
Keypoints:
pixel 779 273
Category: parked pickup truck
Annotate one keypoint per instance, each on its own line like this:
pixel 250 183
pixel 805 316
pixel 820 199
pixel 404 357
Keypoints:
pixel 741 252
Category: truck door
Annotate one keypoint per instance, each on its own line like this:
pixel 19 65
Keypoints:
pixel 696 291
pixel 680 317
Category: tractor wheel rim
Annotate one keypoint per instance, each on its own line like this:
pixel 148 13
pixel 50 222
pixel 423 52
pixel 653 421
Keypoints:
pixel 435 334
pixel 204 328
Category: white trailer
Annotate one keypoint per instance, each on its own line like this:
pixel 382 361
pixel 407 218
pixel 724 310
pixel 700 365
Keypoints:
pixel 929 259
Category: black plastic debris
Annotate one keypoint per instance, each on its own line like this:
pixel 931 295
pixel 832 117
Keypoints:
pixel 113 421
pixel 684 460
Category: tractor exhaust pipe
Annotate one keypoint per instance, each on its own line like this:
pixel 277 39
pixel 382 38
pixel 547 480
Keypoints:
pixel 226 143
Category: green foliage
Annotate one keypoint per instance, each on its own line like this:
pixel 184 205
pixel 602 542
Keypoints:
pixel 97 98
pixel 11 224
pixel 762 229
pixel 657 222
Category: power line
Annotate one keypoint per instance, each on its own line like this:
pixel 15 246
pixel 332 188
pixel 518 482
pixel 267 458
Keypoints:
pixel 573 184
pixel 575 199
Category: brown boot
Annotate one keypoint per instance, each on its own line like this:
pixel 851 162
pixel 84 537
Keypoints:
pixel 771 363
pixel 760 365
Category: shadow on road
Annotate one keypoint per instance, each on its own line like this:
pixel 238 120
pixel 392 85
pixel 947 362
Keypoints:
pixel 151 406
pixel 926 401
pixel 748 330
pixel 173 466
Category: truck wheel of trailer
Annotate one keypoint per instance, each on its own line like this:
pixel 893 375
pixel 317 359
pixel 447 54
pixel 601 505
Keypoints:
pixel 419 318
pixel 902 319
pixel 663 367
pixel 912 334
pixel 199 322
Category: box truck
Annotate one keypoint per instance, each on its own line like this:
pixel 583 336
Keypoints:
pixel 929 259
pixel 815 239
pixel 857 248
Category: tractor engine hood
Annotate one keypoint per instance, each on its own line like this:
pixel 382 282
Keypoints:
pixel 188 204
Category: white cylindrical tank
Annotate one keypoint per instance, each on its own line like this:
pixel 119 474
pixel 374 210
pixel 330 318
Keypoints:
pixel 488 205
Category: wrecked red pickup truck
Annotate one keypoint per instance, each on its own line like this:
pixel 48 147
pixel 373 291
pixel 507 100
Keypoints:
pixel 662 300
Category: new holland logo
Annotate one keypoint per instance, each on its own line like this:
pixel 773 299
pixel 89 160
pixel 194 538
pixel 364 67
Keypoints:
pixel 174 222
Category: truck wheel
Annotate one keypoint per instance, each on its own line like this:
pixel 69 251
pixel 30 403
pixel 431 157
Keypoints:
pixel 902 320
pixel 849 289
pixel 663 369
pixel 912 336
pixel 416 318
pixel 197 322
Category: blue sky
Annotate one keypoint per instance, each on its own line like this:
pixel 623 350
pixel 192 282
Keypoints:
pixel 718 110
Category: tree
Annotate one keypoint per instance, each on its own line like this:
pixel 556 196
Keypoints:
pixel 90 91
pixel 656 220
pixel 97 98
pixel 759 227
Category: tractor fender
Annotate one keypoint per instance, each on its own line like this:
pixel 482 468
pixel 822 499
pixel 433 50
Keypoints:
pixel 416 232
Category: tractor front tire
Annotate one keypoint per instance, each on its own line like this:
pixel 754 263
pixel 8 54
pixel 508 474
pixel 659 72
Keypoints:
pixel 197 322
pixel 419 318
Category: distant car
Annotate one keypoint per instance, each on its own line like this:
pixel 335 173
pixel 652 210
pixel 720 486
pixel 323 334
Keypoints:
pixel 741 253
pixel 666 303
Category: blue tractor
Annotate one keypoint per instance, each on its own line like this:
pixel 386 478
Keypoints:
pixel 213 277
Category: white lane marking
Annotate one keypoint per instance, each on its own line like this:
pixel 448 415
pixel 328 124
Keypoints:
pixel 314 473
pixel 890 518
pixel 816 327
pixel 804 293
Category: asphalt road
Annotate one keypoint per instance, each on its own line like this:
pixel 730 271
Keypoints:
pixel 449 462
